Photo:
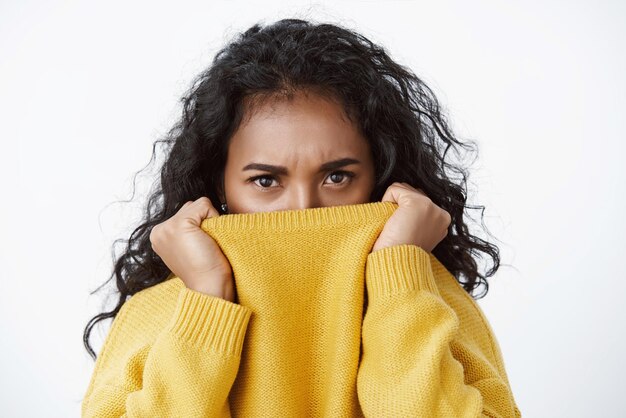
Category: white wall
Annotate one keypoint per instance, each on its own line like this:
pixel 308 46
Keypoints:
pixel 85 88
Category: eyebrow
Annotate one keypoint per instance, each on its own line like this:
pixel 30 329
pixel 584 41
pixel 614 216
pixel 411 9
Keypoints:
pixel 281 170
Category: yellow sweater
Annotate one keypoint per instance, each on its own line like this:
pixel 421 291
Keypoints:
pixel 302 339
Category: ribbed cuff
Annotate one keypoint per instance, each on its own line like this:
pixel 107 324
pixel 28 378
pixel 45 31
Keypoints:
pixel 210 322
pixel 399 269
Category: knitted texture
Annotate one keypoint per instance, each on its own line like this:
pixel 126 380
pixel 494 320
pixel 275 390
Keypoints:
pixel 303 338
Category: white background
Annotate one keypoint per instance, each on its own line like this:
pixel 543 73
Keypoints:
pixel 85 88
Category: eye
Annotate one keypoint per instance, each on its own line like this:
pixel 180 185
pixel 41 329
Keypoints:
pixel 337 178
pixel 265 184
pixel 347 175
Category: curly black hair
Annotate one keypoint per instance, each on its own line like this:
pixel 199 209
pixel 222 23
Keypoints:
pixel 397 112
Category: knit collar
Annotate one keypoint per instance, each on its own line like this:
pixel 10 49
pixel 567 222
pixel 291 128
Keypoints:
pixel 298 219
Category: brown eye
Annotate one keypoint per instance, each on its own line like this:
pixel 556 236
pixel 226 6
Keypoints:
pixel 265 182
pixel 337 177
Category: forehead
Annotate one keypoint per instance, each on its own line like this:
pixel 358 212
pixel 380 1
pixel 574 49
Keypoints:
pixel 307 125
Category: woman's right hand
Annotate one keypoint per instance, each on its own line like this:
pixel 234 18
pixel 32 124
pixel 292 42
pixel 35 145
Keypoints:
pixel 190 253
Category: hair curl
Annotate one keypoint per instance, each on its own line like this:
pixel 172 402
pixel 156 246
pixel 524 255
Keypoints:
pixel 397 112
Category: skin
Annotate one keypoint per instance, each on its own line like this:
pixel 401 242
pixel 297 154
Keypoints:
pixel 300 135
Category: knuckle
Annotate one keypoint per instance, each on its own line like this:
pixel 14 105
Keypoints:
pixel 432 209
pixel 154 233
pixel 205 201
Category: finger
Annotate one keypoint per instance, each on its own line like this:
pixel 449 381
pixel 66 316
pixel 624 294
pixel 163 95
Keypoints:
pixel 415 189
pixel 393 193
pixel 182 209
pixel 198 210
pixel 448 222
pixel 206 209
pixel 420 191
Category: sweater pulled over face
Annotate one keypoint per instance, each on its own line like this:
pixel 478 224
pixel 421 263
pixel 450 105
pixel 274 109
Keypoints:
pixel 321 327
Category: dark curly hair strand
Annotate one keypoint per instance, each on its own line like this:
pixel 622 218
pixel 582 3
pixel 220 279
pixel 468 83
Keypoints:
pixel 395 110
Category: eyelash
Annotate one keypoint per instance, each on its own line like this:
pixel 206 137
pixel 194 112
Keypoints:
pixel 347 174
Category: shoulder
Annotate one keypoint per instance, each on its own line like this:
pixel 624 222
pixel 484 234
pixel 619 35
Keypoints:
pixel 133 331
pixel 151 308
pixel 474 328
pixel 142 317
pixel 157 298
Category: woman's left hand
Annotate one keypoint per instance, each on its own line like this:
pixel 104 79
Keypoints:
pixel 417 220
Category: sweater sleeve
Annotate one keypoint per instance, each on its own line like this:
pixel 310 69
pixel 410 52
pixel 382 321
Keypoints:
pixel 187 371
pixel 415 359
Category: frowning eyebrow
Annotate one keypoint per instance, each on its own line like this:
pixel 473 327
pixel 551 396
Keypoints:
pixel 282 170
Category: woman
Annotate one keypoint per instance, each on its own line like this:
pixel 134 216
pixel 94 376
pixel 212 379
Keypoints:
pixel 291 117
